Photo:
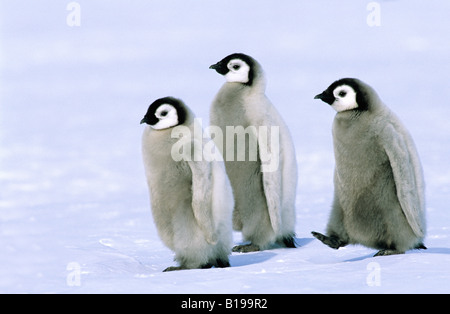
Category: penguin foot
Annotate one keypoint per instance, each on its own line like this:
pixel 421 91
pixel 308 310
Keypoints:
pixel 332 241
pixel 246 248
pixel 206 266
pixel 388 252
pixel 222 263
pixel 289 242
pixel 173 268
pixel 217 263
pixel 421 246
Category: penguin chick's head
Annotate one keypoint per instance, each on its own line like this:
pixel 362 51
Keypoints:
pixel 237 68
pixel 165 113
pixel 346 94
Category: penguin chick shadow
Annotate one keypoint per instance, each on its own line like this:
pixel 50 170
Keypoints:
pixel 435 250
pixel 247 259
pixel 300 242
pixel 409 252
pixel 238 260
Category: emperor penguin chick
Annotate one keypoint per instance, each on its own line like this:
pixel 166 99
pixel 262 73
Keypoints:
pixel 191 198
pixel 259 155
pixel 379 197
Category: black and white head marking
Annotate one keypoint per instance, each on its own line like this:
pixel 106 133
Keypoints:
pixel 165 113
pixel 237 68
pixel 345 94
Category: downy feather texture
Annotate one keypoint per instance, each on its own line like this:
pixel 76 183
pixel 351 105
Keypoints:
pixel 191 201
pixel 264 200
pixel 379 189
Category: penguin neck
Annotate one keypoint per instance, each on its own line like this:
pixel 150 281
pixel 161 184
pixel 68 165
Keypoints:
pixel 375 107
pixel 258 86
pixel 259 83
pixel 349 115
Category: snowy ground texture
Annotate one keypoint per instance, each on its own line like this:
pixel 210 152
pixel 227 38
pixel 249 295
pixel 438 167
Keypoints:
pixel 74 207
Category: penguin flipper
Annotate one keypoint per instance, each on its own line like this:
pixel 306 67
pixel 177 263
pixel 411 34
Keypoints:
pixel 408 176
pixel 272 181
pixel 202 196
pixel 269 154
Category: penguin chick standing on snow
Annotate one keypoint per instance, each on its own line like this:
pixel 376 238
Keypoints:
pixel 379 197
pixel 192 201
pixel 264 200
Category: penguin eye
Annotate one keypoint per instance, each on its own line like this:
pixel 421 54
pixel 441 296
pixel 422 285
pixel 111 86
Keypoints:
pixel 342 93
pixel 164 113
pixel 236 67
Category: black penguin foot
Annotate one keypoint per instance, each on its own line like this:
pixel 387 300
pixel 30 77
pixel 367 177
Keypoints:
pixel 332 241
pixel 388 252
pixel 246 248
pixel 222 263
pixel 421 246
pixel 217 263
pixel 173 268
pixel 206 266
pixel 289 242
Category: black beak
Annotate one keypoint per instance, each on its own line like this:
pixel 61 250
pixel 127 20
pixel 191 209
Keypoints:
pixel 220 68
pixel 325 97
pixel 143 121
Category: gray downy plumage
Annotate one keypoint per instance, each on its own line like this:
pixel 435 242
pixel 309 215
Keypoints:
pixel 379 190
pixel 191 201
pixel 264 200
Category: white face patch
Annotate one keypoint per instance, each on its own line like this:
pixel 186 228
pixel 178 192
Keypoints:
pixel 167 115
pixel 345 98
pixel 239 71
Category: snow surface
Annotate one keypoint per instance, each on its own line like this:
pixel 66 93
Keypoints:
pixel 74 207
